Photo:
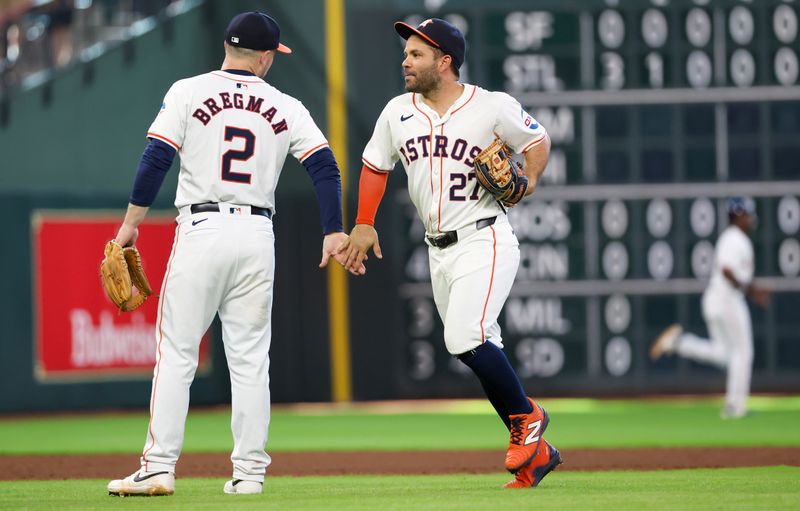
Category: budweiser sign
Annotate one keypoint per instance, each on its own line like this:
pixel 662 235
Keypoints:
pixel 80 335
pixel 101 343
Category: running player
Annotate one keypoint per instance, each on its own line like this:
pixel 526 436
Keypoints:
pixel 725 311
pixel 436 130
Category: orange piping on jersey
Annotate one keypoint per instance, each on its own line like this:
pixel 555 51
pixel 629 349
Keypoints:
pixel 441 174
pixel 535 142
pixel 164 139
pixel 311 151
pixel 474 88
pixel 430 144
pixel 491 281
pixel 372 166
pixel 160 338
pixel 216 73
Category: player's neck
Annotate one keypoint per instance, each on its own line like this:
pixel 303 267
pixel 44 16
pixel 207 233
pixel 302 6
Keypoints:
pixel 238 64
pixel 741 227
pixel 443 98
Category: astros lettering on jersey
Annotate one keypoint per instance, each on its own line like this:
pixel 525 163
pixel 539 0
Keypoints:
pixel 438 154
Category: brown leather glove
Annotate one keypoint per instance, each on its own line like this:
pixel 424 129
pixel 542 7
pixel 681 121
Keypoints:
pixel 121 270
pixel 498 173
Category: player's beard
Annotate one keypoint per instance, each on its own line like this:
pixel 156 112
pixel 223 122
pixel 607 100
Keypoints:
pixel 425 81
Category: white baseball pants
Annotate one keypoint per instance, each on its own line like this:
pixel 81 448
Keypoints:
pixel 220 263
pixel 730 346
pixel 471 281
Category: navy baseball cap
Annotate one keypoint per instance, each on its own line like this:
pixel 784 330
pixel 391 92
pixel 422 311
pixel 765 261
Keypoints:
pixel 741 206
pixel 438 33
pixel 256 31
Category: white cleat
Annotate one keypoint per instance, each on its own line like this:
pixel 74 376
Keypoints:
pixel 732 412
pixel 666 342
pixel 143 483
pixel 241 486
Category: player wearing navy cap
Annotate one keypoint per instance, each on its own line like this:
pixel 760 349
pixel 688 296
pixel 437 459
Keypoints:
pixel 725 311
pixel 233 132
pixel 436 130
pixel 255 31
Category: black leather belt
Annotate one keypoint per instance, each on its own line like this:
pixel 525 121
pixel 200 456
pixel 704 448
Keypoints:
pixel 446 239
pixel 213 207
pixel 443 240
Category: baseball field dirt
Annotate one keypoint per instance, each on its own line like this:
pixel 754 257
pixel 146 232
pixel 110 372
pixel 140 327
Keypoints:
pixel 401 462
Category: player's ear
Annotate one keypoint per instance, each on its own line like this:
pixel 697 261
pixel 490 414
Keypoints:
pixel 447 60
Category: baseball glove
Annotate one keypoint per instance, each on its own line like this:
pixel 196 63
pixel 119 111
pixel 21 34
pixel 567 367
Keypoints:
pixel 120 270
pixel 499 174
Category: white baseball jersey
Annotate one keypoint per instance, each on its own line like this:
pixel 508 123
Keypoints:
pixel 472 278
pixel 734 250
pixel 216 110
pixel 438 152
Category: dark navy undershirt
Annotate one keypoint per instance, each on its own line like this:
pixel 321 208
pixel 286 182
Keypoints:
pixel 153 166
pixel 324 172
pixel 239 72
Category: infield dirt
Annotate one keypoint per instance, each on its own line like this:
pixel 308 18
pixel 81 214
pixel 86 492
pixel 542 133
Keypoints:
pixel 111 466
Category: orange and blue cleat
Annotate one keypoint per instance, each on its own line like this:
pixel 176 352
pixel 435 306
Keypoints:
pixel 545 461
pixel 526 437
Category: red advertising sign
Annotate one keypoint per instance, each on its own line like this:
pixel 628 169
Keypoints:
pixel 80 334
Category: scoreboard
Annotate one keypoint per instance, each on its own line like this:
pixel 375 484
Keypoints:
pixel 658 111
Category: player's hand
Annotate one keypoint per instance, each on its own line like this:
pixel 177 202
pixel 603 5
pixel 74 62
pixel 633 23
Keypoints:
pixel 354 251
pixel 532 183
pixel 330 247
pixel 127 235
pixel 760 295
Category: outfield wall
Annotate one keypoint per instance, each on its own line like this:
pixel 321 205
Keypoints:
pixel 573 326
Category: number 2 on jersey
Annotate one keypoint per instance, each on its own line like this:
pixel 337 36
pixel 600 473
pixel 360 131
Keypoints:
pixel 245 154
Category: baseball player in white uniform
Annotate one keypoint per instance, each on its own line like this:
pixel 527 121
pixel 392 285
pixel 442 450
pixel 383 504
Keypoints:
pixel 725 312
pixel 435 131
pixel 233 132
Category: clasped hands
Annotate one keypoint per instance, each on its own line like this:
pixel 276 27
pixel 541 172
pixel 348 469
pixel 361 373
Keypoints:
pixel 351 251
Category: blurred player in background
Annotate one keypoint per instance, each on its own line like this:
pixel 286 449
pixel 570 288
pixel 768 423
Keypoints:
pixel 725 311
pixel 436 131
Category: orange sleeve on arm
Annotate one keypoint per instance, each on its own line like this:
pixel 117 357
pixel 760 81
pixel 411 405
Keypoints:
pixel 371 187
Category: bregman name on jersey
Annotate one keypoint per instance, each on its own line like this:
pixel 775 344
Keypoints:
pixel 236 100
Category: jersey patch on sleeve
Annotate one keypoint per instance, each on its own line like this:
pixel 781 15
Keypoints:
pixel 527 120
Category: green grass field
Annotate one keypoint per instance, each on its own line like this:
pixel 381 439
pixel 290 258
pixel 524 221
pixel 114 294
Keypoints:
pixel 459 425
pixel 576 423
pixel 771 488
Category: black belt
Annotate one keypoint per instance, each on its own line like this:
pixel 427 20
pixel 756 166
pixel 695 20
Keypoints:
pixel 213 207
pixel 446 239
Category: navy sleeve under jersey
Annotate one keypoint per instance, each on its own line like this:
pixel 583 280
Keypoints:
pixel 153 167
pixel 324 172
